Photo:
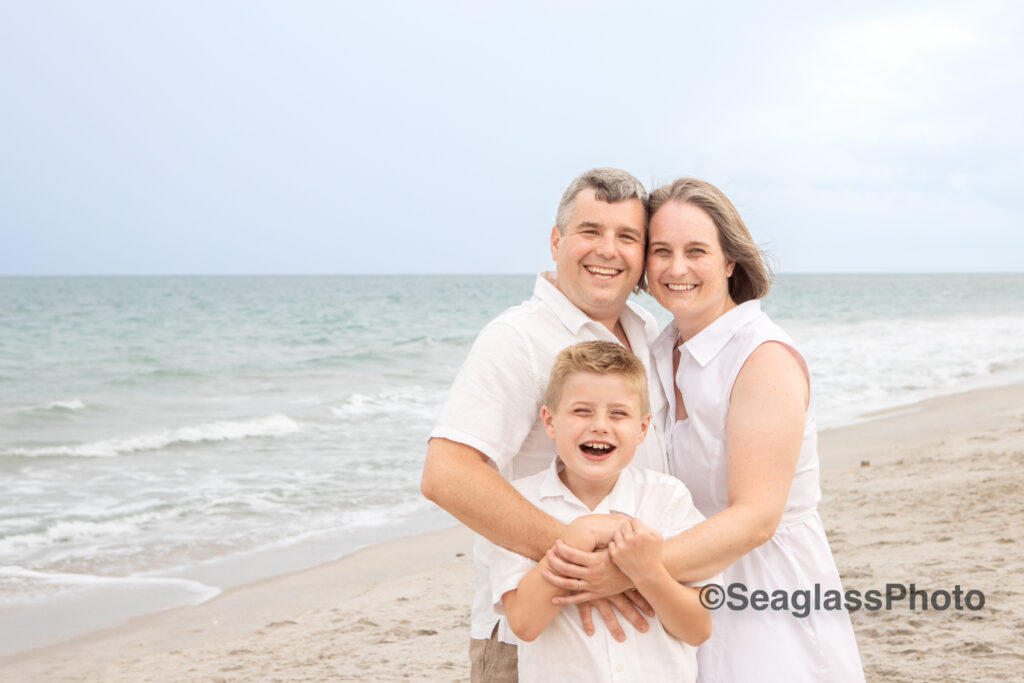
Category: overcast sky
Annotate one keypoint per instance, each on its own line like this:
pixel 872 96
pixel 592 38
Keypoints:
pixel 437 137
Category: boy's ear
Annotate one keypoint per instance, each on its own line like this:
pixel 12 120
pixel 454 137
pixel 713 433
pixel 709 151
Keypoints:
pixel 546 417
pixel 643 429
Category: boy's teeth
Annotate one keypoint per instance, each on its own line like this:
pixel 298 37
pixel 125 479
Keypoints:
pixel 602 446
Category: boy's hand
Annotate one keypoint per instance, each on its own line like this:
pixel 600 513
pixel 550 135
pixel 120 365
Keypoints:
pixel 635 548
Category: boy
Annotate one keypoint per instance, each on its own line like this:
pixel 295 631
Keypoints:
pixel 596 410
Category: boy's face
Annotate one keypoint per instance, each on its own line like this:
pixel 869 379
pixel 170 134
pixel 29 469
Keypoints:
pixel 596 426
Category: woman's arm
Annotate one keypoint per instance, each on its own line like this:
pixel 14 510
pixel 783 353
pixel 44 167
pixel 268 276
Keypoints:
pixel 764 431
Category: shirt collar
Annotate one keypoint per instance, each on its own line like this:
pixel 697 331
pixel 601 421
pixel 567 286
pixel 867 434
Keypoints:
pixel 572 317
pixel 622 497
pixel 706 344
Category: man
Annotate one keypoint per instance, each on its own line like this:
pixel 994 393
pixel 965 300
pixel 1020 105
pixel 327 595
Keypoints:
pixel 490 431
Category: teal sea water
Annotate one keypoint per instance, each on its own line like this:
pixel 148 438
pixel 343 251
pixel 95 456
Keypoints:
pixel 166 437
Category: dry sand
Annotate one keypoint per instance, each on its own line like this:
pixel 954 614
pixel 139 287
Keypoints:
pixel 937 502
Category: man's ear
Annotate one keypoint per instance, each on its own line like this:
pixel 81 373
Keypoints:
pixel 546 419
pixel 556 237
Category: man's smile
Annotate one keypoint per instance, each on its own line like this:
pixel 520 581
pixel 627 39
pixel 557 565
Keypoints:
pixel 602 272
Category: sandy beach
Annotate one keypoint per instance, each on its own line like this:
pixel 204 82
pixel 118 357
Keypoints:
pixel 929 494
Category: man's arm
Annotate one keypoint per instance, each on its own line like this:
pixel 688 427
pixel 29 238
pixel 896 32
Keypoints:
pixel 458 478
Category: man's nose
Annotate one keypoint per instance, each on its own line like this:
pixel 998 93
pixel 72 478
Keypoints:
pixel 606 246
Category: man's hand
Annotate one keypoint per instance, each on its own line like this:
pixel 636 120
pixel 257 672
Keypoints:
pixel 604 608
pixel 589 575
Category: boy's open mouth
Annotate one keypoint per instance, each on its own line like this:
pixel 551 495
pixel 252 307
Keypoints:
pixel 597 449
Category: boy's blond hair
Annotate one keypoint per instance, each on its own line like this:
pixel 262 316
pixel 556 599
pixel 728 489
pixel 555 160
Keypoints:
pixel 599 358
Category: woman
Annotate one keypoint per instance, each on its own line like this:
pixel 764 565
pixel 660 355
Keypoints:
pixel 741 436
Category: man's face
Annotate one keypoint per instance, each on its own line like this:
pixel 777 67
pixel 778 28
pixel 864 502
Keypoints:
pixel 601 255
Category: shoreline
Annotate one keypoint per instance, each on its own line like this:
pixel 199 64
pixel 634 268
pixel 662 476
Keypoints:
pixel 892 488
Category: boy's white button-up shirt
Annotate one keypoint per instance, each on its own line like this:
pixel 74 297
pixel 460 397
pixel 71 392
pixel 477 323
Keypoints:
pixel 495 401
pixel 564 652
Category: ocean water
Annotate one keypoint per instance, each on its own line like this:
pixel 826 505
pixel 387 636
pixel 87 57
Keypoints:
pixel 162 438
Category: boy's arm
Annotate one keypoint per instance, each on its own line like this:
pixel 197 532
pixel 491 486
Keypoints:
pixel 636 549
pixel 529 608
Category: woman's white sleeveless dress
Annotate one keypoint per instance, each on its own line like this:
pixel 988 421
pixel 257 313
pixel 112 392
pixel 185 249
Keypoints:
pixel 755 645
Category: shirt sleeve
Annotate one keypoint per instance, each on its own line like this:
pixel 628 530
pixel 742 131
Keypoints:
pixel 496 397
pixel 507 570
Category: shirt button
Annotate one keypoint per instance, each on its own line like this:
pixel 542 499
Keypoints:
pixel 618 668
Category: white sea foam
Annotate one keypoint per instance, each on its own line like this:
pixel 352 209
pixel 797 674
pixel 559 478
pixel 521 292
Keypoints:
pixel 27 579
pixel 69 531
pixel 882 363
pixel 222 430
pixel 409 402
pixel 68 405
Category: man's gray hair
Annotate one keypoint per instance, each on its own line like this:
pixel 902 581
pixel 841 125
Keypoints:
pixel 609 185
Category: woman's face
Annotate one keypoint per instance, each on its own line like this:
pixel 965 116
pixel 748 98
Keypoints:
pixel 687 271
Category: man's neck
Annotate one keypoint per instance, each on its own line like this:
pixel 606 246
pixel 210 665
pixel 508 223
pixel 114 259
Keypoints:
pixel 620 333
